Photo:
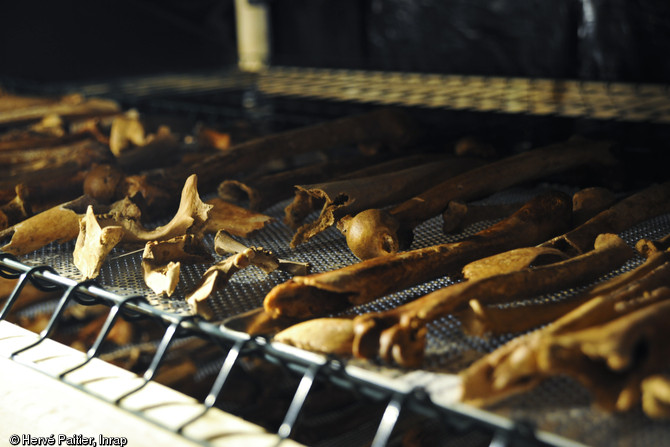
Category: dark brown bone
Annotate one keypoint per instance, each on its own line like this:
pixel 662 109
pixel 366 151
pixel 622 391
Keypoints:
pixel 486 180
pixel 398 335
pixel 322 293
pixel 346 197
pixel 643 205
pixel 17 110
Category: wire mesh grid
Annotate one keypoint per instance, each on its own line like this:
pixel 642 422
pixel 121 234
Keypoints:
pixel 559 405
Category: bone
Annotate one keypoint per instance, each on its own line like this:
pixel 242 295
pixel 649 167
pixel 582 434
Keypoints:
pixel 72 106
pixel 457 216
pixel 636 208
pixel 613 359
pixel 58 224
pixel 513 367
pixel 656 396
pixel 264 191
pixel 324 335
pixel 481 182
pixel 347 197
pixel 647 247
pixel 233 219
pixel 511 261
pixel 398 335
pixel 589 202
pixel 326 292
pixel 94 244
pixel 161 261
pixel 17 209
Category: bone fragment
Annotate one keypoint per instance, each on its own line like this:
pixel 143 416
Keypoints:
pixel 323 335
pixel 480 182
pixel 647 247
pixel 58 224
pixel 94 244
pixel 656 396
pixel 511 261
pixel 234 219
pixel 326 292
pixel 17 209
pixel 217 276
pixel 398 335
pixel 347 197
pixel 161 261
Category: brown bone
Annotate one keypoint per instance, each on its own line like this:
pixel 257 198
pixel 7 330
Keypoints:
pixel 346 197
pixel 480 182
pixel 513 367
pixel 398 335
pixel 322 293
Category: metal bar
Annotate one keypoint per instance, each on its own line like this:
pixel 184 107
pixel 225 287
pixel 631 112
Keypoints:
pixel 298 401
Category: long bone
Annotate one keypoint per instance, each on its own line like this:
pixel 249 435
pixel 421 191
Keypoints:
pixel 513 367
pixel 398 335
pixel 397 224
pixel 326 292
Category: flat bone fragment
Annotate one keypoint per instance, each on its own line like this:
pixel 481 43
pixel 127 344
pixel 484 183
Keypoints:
pixel 234 219
pixel 217 276
pixel 588 202
pixel 58 224
pixel 347 197
pixel 17 209
pixel 161 261
pixel 326 292
pixel 94 244
pixel 646 247
pixel 398 335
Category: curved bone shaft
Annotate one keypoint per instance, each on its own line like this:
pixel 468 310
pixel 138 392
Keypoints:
pixel 321 293
pixel 610 252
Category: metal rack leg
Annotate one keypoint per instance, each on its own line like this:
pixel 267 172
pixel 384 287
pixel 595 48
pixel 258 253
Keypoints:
pixel 298 401
pixel 388 422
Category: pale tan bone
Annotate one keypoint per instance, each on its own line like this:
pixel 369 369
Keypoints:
pixel 656 396
pixel 191 217
pixel 327 292
pixel 94 244
pixel 483 320
pixel 398 335
pixel 17 209
pixel 347 197
pixel 161 261
pixel 217 276
pixel 58 224
pixel 127 130
pixel 476 183
pixel 511 261
pixel 234 219
pixel 513 367
pixel 323 335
